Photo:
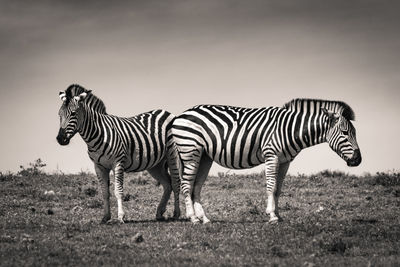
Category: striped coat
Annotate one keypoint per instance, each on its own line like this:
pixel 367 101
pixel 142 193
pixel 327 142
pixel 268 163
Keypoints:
pixel 242 138
pixel 120 144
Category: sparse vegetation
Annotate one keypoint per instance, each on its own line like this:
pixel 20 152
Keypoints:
pixel 330 219
pixel 387 179
pixel 34 169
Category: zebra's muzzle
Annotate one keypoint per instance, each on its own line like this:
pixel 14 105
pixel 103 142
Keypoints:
pixel 63 138
pixel 355 160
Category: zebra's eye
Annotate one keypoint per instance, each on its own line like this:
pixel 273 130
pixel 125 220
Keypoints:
pixel 73 112
pixel 346 132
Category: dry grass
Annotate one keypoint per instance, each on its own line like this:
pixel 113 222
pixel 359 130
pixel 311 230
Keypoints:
pixel 331 219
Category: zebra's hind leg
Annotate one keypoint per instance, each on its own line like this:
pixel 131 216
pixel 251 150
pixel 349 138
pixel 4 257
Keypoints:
pixel 103 176
pixel 204 168
pixel 160 173
pixel 187 185
pixel 119 190
pixel 190 156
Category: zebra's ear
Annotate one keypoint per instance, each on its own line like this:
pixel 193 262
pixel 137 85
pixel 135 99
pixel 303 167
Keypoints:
pixel 82 96
pixel 333 116
pixel 63 96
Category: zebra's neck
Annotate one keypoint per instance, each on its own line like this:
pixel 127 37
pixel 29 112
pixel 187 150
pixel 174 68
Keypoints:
pixel 313 130
pixel 309 129
pixel 90 127
pixel 299 130
pixel 96 104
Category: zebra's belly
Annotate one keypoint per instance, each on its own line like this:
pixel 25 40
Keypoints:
pixel 103 159
pixel 238 160
pixel 137 162
pixel 132 163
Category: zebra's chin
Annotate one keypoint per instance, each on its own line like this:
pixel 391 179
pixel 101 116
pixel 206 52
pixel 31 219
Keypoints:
pixel 353 163
pixel 63 141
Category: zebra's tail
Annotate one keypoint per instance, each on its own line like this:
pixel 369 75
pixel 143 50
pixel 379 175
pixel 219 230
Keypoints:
pixel 174 159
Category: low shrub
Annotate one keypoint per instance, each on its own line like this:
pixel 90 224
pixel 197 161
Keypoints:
pixel 387 179
pixel 34 169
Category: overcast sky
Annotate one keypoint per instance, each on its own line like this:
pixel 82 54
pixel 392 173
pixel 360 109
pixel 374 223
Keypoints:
pixel 176 54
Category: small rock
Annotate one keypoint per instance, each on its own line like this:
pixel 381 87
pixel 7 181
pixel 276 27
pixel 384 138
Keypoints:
pixel 50 212
pixel 308 264
pixel 138 238
pixel 368 198
pixel 49 193
pixel 180 245
pixel 27 238
pixel 76 208
pixel 320 208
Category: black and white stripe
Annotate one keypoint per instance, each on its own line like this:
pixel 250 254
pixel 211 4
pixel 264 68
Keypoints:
pixel 242 138
pixel 120 144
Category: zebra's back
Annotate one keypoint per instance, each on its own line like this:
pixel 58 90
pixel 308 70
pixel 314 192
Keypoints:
pixel 231 136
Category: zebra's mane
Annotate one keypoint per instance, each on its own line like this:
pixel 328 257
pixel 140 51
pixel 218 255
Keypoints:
pixel 92 101
pixel 336 106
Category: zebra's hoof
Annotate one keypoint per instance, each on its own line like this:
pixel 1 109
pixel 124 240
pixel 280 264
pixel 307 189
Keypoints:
pixel 122 219
pixel 176 215
pixel 206 220
pixel 195 220
pixel 161 219
pixel 105 220
pixel 111 221
pixel 273 220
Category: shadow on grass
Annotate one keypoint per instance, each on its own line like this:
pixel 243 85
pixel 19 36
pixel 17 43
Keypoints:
pixel 167 220
pixel 229 221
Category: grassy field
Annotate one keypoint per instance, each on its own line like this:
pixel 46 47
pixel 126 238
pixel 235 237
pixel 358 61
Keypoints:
pixel 330 219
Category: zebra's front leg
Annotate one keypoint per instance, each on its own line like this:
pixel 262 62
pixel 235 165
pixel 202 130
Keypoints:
pixel 282 170
pixel 271 172
pixel 103 176
pixel 119 190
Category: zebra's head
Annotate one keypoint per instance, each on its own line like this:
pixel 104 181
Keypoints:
pixel 71 113
pixel 341 137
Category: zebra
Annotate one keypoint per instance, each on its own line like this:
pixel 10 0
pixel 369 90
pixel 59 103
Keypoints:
pixel 120 144
pixel 240 138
